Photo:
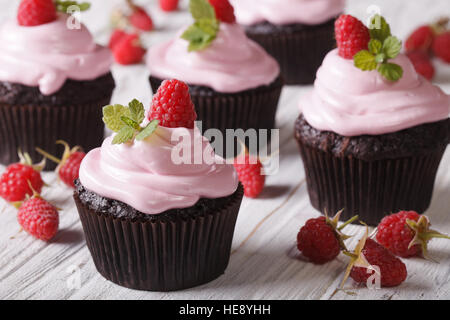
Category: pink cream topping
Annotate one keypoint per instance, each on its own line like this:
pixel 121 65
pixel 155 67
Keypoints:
pixel 232 62
pixel 352 102
pixel 282 12
pixel 145 174
pixel 49 54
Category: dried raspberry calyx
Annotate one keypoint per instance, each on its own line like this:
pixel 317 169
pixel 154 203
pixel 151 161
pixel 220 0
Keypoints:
pixel 333 223
pixel 423 234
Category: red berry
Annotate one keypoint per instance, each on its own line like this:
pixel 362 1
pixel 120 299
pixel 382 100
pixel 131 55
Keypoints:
pixel 39 218
pixel 392 270
pixel 422 63
pixel 397 232
pixel 420 40
pixel 70 168
pixel 116 37
pixel 36 12
pixel 168 5
pixel 141 20
pixel 172 105
pixel 224 10
pixel 14 182
pixel 441 46
pixel 129 50
pixel 317 241
pixel 249 173
pixel 352 36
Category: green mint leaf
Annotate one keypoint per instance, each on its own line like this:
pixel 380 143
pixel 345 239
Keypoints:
pixel 137 111
pixel 63 6
pixel 375 46
pixel 130 123
pixel 202 9
pixel 112 116
pixel 124 135
pixel 392 46
pixel 380 58
pixel 391 71
pixel 364 60
pixel 379 29
pixel 148 130
pixel 201 34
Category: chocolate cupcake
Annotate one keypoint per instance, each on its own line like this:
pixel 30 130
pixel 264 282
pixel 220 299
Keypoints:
pixel 371 142
pixel 151 222
pixel 233 82
pixel 297 33
pixel 53 80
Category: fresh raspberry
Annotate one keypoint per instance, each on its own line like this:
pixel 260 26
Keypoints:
pixel 317 241
pixel 224 10
pixel 14 182
pixel 141 20
pixel 168 5
pixel 352 36
pixel 422 63
pixel 406 233
pixel 39 218
pixel 392 270
pixel 420 40
pixel 321 240
pixel 249 173
pixel 172 105
pixel 69 170
pixel 441 46
pixel 116 37
pixel 36 12
pixel 129 50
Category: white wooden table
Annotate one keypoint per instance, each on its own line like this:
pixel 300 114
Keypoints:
pixel 264 263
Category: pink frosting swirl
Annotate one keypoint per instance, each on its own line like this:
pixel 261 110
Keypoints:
pixel 232 63
pixel 281 12
pixel 49 54
pixel 352 102
pixel 143 174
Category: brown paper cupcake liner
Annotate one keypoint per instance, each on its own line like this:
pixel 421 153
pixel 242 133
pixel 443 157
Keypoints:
pixel 299 52
pixel 30 126
pixel 370 189
pixel 250 109
pixel 158 255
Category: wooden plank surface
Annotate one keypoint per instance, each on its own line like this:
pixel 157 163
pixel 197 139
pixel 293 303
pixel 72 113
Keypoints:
pixel 264 263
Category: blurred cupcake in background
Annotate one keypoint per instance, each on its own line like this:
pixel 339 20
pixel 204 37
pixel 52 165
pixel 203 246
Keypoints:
pixel 233 81
pixel 297 33
pixel 53 81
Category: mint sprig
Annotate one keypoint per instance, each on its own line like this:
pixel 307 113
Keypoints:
pixel 205 28
pixel 126 122
pixel 62 6
pixel 382 47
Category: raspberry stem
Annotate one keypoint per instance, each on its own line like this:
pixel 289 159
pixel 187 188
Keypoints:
pixel 352 219
pixel 48 155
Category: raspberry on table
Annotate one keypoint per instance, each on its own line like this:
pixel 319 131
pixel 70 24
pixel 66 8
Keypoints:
pixel 392 270
pixel 441 46
pixel 141 20
pixel 224 10
pixel 249 173
pixel 128 50
pixel 172 105
pixel 15 182
pixel 406 234
pixel 36 12
pixel 420 40
pixel 168 5
pixel 352 36
pixel 39 218
pixel 116 36
pixel 422 64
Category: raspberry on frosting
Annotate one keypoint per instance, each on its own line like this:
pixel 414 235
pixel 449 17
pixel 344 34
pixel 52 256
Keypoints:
pixel 224 10
pixel 352 36
pixel 36 12
pixel 172 105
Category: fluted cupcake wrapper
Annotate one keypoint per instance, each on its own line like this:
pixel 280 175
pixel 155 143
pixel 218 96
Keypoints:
pixel 249 109
pixel 161 255
pixel 370 189
pixel 30 126
pixel 299 53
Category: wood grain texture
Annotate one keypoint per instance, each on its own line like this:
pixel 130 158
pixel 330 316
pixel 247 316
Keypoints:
pixel 264 263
